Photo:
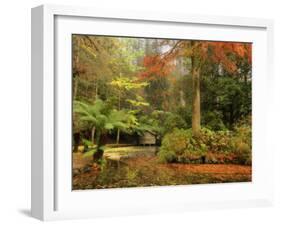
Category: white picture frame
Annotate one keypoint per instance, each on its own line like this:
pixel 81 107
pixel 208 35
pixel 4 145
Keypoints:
pixel 51 197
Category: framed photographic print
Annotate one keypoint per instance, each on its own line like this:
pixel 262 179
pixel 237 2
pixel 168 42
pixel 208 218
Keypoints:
pixel 136 112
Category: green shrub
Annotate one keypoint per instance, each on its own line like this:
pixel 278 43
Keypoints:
pixel 243 153
pixel 174 144
pixel 242 141
pixel 167 156
pixel 202 141
pixel 180 146
pixel 209 140
pixel 243 131
pixel 208 147
pixel 222 141
pixel 87 144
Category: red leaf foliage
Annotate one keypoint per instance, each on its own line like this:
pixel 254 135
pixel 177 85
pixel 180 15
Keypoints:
pixel 157 65
pixel 222 50
pixel 218 52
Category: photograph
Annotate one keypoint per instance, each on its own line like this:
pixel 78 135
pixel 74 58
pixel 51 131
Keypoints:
pixel 160 112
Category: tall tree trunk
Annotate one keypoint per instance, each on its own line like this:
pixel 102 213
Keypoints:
pixel 196 111
pixel 118 136
pixel 119 108
pixel 93 134
pixel 97 156
pixel 76 139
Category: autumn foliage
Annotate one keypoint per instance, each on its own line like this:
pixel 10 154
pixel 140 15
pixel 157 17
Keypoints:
pixel 225 53
pixel 153 111
pixel 156 65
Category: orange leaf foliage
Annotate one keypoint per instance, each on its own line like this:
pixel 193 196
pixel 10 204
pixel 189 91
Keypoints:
pixel 218 52
pixel 157 65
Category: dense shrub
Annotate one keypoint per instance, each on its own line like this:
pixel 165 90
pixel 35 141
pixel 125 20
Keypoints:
pixel 209 146
pixel 209 140
pixel 242 142
pixel 174 144
pixel 243 153
pixel 243 130
pixel 222 141
pixel 180 146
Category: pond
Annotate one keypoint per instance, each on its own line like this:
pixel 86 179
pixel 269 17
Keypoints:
pixel 123 153
pixel 136 166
